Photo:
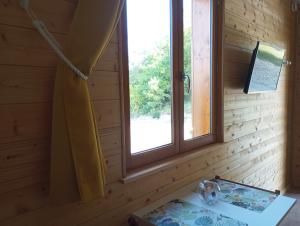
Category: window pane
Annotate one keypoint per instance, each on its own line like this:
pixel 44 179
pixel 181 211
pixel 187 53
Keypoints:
pixel 197 64
pixel 150 80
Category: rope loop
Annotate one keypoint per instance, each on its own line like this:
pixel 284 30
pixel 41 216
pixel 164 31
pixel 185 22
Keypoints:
pixel 42 29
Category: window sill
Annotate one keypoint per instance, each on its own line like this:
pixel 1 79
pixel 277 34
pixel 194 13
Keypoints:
pixel 167 164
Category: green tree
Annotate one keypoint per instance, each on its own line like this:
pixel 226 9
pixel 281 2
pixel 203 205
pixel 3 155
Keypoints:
pixel 150 80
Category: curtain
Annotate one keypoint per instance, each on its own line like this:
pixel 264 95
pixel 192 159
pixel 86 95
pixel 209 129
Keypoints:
pixel 77 165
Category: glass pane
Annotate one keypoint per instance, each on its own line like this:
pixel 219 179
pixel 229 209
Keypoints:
pixel 150 81
pixel 197 64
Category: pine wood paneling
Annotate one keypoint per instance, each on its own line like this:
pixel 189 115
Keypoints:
pixel 57 19
pixel 19 84
pixel 256 126
pixel 24 121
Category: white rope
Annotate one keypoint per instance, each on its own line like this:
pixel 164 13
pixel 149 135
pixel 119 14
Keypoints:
pixel 40 26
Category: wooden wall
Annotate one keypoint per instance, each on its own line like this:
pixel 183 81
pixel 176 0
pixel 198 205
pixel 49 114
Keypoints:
pixel 256 128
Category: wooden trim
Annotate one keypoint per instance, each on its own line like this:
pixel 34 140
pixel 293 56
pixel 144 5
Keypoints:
pixel 148 156
pixel 188 145
pixel 216 134
pixel 133 161
pixel 219 73
pixel 124 89
pixel 165 164
pixel 180 70
pixel 175 15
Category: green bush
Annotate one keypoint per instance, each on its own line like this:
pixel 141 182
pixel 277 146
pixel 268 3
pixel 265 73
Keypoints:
pixel 151 83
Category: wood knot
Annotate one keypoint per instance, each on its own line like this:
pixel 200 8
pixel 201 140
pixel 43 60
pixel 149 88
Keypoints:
pixel 5 3
pixel 3 37
pixel 16 129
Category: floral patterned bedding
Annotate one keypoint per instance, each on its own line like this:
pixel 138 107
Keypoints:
pixel 182 213
pixel 245 197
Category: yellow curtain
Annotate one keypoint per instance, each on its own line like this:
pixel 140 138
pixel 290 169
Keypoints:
pixel 77 163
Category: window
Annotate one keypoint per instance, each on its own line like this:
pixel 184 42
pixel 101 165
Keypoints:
pixel 170 85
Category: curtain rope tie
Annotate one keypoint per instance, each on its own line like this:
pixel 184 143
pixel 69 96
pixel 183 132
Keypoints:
pixel 42 29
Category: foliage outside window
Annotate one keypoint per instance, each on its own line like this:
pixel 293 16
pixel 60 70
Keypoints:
pixel 169 58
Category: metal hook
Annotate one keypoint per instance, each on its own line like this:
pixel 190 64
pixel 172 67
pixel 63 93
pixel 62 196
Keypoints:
pixel 286 62
pixel 185 76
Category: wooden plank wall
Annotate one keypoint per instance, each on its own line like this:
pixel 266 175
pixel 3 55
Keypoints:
pixel 256 126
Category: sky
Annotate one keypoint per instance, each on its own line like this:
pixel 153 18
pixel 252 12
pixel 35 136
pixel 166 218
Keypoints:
pixel 148 22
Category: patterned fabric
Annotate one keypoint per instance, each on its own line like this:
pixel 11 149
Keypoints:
pixel 245 197
pixel 182 213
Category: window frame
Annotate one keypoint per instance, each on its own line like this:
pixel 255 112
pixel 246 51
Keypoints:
pixel 179 145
